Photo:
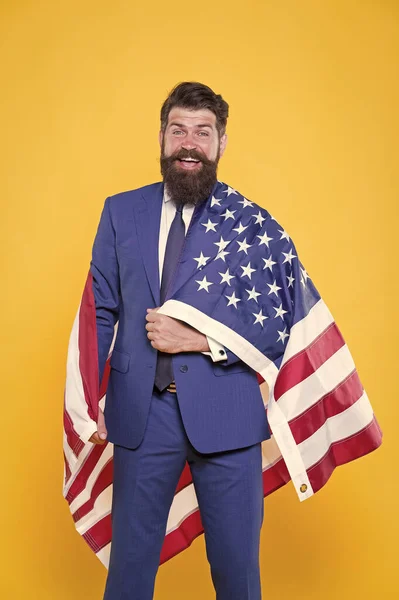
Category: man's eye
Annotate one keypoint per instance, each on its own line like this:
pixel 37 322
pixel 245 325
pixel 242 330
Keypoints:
pixel 177 131
pixel 204 133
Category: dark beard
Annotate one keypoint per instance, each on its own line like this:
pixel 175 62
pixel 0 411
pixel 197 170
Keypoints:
pixel 188 187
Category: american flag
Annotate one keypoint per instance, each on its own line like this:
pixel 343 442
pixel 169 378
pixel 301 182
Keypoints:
pixel 240 281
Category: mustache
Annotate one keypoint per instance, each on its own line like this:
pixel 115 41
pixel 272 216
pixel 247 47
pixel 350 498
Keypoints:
pixel 182 154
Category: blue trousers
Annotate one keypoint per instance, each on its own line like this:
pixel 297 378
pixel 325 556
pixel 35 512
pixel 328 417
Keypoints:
pixel 229 490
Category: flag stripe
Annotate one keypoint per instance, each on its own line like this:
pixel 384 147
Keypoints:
pixel 81 480
pixel 332 403
pixel 102 482
pixel 308 360
pixel 343 451
pixel 88 358
pixel 307 329
pixel 305 394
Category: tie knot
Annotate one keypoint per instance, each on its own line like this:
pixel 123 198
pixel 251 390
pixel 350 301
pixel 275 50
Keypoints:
pixel 179 208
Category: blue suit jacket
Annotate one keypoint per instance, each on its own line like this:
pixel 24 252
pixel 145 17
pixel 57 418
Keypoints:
pixel 220 403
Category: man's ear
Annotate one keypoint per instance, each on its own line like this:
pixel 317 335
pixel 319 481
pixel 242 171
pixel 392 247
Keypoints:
pixel 160 137
pixel 223 143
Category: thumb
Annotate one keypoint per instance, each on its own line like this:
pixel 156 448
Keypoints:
pixel 101 428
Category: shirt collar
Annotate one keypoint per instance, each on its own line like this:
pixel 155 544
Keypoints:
pixel 166 197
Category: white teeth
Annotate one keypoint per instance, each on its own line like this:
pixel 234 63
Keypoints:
pixel 189 159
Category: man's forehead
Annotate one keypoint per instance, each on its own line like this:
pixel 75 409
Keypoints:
pixel 191 117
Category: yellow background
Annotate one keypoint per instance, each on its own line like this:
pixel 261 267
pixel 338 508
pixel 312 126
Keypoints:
pixel 313 137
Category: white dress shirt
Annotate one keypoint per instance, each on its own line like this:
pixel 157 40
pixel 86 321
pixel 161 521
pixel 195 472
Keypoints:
pixel 217 351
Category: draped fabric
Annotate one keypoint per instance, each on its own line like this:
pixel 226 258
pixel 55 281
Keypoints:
pixel 240 280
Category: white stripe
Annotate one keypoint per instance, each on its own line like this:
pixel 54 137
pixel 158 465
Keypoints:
pixel 305 331
pixel 347 423
pixel 85 494
pixel 101 508
pixel 70 456
pixel 77 465
pixel 308 392
pixel 270 453
pixel 184 504
pixel 75 401
pixel 104 555
pixel 223 334
pixel 289 449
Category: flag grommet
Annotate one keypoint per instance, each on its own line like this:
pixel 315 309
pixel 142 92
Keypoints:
pixel 303 487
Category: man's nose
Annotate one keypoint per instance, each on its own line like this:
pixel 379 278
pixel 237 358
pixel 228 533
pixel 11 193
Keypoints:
pixel 188 143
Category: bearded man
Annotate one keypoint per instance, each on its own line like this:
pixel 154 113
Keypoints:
pixel 167 401
pixel 216 319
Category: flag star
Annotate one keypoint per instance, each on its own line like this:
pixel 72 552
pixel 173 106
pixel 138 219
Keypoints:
pixel 233 300
pixel 204 284
pixel 273 288
pixel 222 243
pixel 282 335
pixel 259 318
pixel 226 277
pixel 264 239
pixel 279 311
pixel 222 255
pixel 229 214
pixel 243 246
pixel 289 256
pixel 247 271
pixel 201 260
pixel 258 218
pixel 209 226
pixel 284 235
pixel 245 203
pixel 252 294
pixel 215 201
pixel 229 191
pixel 240 228
pixel 269 262
pixel 291 280
pixel 305 275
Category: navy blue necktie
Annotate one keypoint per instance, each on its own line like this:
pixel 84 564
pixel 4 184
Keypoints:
pixel 164 371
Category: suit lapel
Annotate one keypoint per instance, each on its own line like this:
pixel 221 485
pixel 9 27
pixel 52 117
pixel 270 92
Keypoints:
pixel 148 218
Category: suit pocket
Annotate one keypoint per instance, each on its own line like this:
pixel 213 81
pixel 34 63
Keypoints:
pixel 238 367
pixel 120 361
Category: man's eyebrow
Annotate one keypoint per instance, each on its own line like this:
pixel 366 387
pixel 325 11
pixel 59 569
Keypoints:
pixel 174 123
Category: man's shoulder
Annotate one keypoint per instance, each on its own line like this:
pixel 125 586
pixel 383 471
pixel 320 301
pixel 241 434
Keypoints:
pixel 129 195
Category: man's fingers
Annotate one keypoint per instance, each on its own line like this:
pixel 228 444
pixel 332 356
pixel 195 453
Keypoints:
pixel 95 439
pixel 101 428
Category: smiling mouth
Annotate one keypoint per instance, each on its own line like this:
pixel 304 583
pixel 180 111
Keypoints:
pixel 188 163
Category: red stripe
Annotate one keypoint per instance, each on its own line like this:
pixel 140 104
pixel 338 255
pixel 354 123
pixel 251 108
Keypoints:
pixel 344 451
pixel 88 349
pixel 185 478
pixel 103 480
pixel 182 537
pixel 333 403
pixel 306 362
pixel 99 535
pixel 86 469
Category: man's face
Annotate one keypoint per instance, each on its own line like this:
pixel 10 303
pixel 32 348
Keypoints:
pixel 190 152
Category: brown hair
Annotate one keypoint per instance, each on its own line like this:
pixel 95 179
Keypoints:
pixel 194 96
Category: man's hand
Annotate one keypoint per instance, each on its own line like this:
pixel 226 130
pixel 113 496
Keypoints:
pixel 172 336
pixel 101 434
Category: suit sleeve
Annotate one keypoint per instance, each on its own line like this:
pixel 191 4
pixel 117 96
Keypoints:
pixel 106 284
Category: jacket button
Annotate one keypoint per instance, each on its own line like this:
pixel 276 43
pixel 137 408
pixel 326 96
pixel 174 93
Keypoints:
pixel 184 368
